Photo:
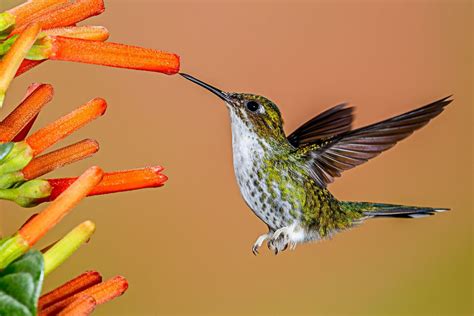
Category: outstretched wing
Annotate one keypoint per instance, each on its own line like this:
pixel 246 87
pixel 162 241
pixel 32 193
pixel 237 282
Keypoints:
pixel 328 158
pixel 334 121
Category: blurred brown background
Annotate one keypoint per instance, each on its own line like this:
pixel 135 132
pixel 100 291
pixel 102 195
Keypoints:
pixel 185 248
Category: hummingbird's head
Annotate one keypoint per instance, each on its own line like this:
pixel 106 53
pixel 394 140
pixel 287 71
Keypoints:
pixel 256 112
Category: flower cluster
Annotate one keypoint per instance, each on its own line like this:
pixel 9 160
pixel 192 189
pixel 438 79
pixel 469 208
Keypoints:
pixel 30 34
pixel 78 296
pixel 46 29
pixel 22 160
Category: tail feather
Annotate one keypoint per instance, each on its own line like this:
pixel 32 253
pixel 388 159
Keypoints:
pixel 391 210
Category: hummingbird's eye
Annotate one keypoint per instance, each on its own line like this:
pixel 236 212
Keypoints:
pixel 252 106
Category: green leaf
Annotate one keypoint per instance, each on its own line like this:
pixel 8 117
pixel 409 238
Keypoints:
pixel 20 285
pixel 5 149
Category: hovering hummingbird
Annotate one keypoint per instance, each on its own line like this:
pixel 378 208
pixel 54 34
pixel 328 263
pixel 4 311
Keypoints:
pixel 283 179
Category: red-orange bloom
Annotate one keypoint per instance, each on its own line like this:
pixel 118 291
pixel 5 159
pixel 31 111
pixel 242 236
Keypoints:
pixel 47 136
pixel 37 96
pixel 101 293
pixel 66 14
pixel 113 54
pixel 46 163
pixel 116 181
pixel 37 226
pixel 70 288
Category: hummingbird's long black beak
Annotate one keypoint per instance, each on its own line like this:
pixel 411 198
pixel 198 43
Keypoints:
pixel 221 94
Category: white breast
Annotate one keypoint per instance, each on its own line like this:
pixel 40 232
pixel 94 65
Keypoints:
pixel 248 153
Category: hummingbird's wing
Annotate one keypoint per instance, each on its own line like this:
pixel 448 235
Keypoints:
pixel 334 121
pixel 327 158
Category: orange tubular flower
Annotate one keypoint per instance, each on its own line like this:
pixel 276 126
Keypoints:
pixel 113 54
pixel 70 288
pixel 83 305
pixel 26 12
pixel 66 14
pixel 31 33
pixel 115 182
pixel 16 121
pixel 47 136
pixel 12 60
pixel 101 293
pixel 26 164
pixel 62 40
pixel 92 33
pixel 35 228
pixel 46 163
pixel 38 225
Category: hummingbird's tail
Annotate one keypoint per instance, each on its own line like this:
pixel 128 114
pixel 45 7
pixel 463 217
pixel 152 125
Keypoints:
pixel 390 210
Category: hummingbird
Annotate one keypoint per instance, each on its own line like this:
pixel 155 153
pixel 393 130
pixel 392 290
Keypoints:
pixel 283 178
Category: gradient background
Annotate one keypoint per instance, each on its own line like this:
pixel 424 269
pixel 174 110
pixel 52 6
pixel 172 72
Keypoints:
pixel 185 248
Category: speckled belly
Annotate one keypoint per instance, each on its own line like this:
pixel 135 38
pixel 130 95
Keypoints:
pixel 265 197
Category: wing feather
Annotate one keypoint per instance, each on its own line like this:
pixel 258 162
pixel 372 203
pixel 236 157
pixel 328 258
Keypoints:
pixel 331 156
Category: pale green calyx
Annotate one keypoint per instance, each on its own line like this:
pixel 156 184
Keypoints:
pixel 41 49
pixel 12 248
pixel 28 194
pixel 17 158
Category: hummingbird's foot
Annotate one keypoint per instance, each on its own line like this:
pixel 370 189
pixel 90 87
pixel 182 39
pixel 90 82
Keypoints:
pixel 259 242
pixel 281 240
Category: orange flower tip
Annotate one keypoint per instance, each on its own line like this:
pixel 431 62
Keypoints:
pixel 47 136
pixel 108 290
pixel 48 218
pixel 46 163
pixel 70 288
pixel 17 121
pixel 81 306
